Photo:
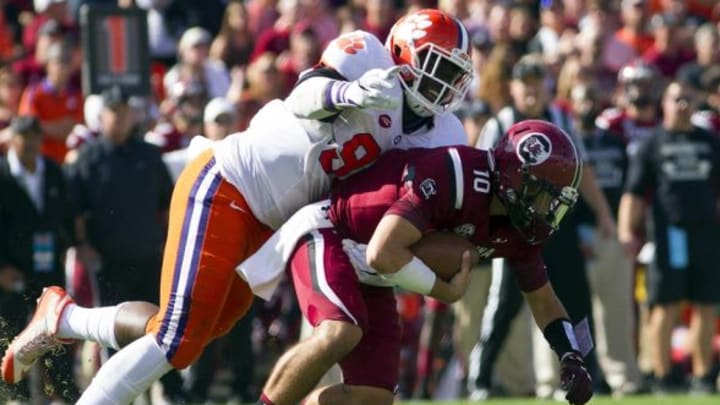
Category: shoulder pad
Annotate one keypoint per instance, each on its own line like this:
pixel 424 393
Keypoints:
pixel 609 118
pixel 355 53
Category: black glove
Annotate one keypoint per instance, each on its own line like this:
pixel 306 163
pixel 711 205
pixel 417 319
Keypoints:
pixel 575 379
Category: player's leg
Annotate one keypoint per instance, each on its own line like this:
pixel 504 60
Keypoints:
pixel 330 298
pixel 704 283
pixel 343 394
pixel 666 287
pixel 206 240
pixel 371 370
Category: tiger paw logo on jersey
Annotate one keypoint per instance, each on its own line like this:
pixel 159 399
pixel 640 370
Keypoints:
pixel 351 44
pixel 414 27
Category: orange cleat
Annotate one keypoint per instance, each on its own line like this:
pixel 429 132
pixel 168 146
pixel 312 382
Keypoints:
pixel 38 338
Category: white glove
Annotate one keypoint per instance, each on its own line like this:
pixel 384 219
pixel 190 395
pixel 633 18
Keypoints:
pixel 366 274
pixel 368 91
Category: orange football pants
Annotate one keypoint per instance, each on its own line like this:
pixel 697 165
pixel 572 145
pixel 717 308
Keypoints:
pixel 211 231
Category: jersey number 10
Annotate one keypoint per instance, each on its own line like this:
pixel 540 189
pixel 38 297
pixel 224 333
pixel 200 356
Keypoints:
pixel 354 155
pixel 481 181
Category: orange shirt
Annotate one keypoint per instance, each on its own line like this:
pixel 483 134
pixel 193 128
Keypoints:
pixel 640 43
pixel 47 104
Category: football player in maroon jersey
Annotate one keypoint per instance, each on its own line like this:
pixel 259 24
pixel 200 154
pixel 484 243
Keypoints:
pixel 506 202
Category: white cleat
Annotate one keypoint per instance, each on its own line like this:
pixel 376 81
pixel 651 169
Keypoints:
pixel 38 338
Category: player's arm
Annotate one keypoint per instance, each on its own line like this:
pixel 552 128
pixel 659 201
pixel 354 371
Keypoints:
pixel 323 92
pixel 388 252
pixel 594 197
pixel 553 320
pixel 632 203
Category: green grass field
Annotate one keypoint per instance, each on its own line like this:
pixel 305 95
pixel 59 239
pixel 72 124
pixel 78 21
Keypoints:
pixel 638 400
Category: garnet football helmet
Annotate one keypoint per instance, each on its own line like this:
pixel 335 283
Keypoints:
pixel 537 172
pixel 639 81
pixel 435 48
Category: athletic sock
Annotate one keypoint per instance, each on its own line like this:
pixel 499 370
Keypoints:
pixel 127 374
pixel 264 400
pixel 95 324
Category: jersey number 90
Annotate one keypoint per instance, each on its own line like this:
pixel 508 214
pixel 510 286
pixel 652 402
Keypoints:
pixel 354 155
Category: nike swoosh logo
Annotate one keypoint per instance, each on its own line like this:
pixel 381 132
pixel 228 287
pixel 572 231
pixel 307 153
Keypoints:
pixel 236 207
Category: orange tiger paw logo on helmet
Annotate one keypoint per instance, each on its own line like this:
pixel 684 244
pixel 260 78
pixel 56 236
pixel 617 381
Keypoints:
pixel 351 44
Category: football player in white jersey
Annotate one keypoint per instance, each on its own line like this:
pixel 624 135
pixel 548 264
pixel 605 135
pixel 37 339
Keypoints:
pixel 361 100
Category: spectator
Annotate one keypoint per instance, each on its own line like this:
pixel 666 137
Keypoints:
pixel 522 27
pixel 707 51
pixel 263 85
pixel 681 164
pixel 474 115
pixel 10 92
pixel 263 14
pixel 303 54
pixel 552 20
pixel 610 271
pixel 194 65
pixel 667 52
pixel 121 190
pixel 235 42
pixel 379 18
pixel 55 102
pixel 46 10
pixel 319 14
pixel 498 23
pixel 220 120
pixel 35 231
pixel 589 44
pixel 481 49
pixel 182 118
pixel 633 34
pixel 277 38
pixel 636 114
pixel 115 224
pixel 494 87
pixel 31 68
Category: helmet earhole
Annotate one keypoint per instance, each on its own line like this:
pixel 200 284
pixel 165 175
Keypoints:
pixel 397 50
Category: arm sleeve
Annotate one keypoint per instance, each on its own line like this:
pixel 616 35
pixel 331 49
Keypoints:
pixel 640 177
pixel 311 96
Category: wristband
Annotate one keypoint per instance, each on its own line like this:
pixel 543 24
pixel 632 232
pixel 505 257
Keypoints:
pixel 336 95
pixel 415 276
pixel 561 336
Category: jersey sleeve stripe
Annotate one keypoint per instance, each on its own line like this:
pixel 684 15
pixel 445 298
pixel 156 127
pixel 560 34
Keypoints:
pixel 457 177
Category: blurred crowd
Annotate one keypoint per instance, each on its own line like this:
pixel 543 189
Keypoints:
pixel 91 215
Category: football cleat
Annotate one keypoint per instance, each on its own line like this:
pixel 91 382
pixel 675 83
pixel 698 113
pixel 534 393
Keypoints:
pixel 38 338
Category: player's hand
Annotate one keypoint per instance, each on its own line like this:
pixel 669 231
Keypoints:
pixel 366 274
pixel 369 90
pixel 458 284
pixel 575 379
pixel 461 280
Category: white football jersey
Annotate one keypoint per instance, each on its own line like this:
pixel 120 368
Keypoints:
pixel 282 162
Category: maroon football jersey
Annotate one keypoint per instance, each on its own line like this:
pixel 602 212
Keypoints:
pixel 436 189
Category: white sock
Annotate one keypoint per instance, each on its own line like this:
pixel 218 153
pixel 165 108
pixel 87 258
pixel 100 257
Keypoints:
pixel 95 324
pixel 127 374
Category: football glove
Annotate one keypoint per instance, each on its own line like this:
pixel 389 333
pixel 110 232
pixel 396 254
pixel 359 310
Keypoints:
pixel 574 379
pixel 366 274
pixel 368 91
